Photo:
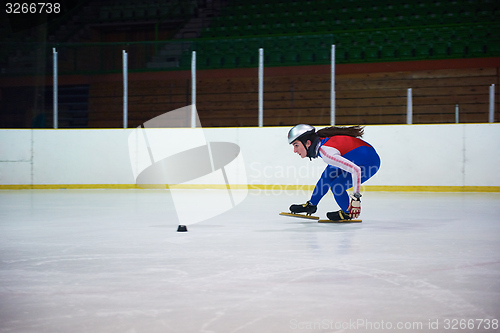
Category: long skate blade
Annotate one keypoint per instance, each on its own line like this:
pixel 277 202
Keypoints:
pixel 303 216
pixel 340 221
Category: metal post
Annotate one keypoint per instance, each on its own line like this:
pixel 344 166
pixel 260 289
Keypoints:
pixel 56 115
pixel 456 113
pixel 193 89
pixel 332 90
pixel 492 104
pixel 261 87
pixel 125 89
pixel 409 107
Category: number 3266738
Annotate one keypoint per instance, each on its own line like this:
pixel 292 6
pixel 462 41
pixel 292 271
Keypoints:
pixel 32 8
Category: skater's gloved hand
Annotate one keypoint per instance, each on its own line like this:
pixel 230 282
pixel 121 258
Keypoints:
pixel 355 206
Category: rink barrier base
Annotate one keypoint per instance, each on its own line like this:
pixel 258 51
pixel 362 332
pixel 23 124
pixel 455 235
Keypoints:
pixel 267 187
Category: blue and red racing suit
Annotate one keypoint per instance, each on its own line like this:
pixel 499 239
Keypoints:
pixel 351 161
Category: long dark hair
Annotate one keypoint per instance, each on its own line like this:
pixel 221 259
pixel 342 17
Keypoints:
pixel 354 131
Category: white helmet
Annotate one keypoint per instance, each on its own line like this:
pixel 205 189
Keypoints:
pixel 298 131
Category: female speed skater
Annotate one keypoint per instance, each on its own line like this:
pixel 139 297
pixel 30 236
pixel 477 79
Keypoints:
pixel 351 161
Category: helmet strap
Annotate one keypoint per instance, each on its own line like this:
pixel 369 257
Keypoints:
pixel 312 151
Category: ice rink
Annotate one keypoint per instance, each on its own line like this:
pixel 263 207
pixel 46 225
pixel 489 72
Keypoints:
pixel 112 261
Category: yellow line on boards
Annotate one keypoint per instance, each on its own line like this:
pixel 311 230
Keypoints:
pixel 269 187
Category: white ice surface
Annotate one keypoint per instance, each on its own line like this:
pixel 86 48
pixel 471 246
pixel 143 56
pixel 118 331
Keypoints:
pixel 112 261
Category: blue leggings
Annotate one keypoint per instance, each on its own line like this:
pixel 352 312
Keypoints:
pixel 338 181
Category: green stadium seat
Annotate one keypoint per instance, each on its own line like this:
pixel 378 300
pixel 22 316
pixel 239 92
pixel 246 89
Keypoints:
pixel 423 50
pixel 378 37
pixel 357 13
pixel 313 16
pixel 427 34
pixel 476 48
pixel 458 49
pixel 252 45
pixel 445 33
pixel 404 9
pixel 368 22
pixel 306 57
pixel 292 27
pixel 323 26
pixel 422 8
pixel 281 45
pixel 438 7
pixel 388 52
pixel 211 46
pixel 323 4
pixel 362 37
pixel 372 53
pixel 362 30
pixel 450 18
pixel 185 60
pixel 493 47
pixel 493 31
pixel 268 43
pixel 405 51
pixel 290 57
pixel 483 32
pixel 467 16
pixel 221 31
pixel 336 24
pixel 265 29
pixel 324 56
pixel 394 36
pixel 341 55
pixel 279 28
pixel 246 30
pixel 434 19
pixel 375 11
pixel 383 22
pixel 214 61
pixel 229 60
pixel 463 33
pixel 418 20
pixel 389 9
pixel 308 26
pixel 355 53
pixel 314 42
pixel 240 47
pixel 440 49
pixel 410 35
pixel 487 16
pixel 248 59
pixel 401 21
pixel 354 24
pixel 273 58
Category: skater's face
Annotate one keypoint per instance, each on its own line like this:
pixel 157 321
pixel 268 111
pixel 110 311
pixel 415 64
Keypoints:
pixel 299 148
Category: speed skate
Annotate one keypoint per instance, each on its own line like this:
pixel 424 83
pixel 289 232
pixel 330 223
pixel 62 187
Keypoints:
pixel 303 216
pixel 311 217
pixel 340 221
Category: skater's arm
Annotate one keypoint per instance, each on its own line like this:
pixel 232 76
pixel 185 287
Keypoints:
pixel 332 156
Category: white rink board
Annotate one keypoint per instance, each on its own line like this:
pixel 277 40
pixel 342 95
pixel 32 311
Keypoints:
pixel 411 155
